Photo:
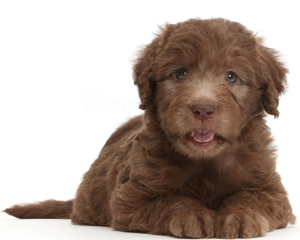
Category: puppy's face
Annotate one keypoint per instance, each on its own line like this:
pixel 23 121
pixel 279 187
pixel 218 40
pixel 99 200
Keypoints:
pixel 207 80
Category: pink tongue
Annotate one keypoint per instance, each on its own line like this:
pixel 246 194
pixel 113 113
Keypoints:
pixel 203 135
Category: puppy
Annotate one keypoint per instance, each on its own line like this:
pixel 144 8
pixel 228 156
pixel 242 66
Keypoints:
pixel 199 162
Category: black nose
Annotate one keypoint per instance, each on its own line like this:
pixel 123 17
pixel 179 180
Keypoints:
pixel 203 111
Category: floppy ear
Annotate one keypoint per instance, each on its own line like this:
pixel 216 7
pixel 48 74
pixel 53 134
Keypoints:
pixel 145 67
pixel 143 74
pixel 273 78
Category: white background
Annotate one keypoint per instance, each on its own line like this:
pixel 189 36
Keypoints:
pixel 66 85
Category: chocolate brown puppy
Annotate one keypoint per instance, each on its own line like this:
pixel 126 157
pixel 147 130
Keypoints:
pixel 200 161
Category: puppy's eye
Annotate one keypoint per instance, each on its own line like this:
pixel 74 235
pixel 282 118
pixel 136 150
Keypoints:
pixel 180 73
pixel 231 77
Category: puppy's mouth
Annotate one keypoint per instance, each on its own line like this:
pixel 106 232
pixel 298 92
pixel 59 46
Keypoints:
pixel 202 136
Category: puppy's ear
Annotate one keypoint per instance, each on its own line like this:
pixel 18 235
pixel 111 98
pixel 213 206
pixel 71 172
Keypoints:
pixel 272 76
pixel 143 74
pixel 146 66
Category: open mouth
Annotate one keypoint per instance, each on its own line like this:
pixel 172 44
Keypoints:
pixel 202 137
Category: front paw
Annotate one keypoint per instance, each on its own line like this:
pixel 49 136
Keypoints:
pixel 193 224
pixel 243 224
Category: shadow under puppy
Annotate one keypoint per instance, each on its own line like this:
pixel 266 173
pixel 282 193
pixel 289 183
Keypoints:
pixel 200 161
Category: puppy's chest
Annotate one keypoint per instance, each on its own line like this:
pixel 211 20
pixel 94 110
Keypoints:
pixel 210 190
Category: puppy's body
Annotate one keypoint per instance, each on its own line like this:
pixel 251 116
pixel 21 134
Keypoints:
pixel 200 161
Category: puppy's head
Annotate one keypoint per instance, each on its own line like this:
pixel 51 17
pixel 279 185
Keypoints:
pixel 206 79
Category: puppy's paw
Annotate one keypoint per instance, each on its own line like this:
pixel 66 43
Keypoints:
pixel 192 224
pixel 241 224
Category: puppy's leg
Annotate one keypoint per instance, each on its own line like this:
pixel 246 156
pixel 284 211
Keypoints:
pixel 135 209
pixel 252 214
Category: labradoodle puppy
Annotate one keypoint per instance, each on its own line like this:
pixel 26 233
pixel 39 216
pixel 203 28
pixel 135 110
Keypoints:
pixel 200 161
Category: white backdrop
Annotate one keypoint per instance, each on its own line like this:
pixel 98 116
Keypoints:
pixel 66 84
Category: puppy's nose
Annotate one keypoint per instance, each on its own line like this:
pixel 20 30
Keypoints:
pixel 203 111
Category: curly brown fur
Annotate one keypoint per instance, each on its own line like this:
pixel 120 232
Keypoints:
pixel 200 161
